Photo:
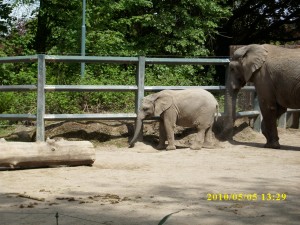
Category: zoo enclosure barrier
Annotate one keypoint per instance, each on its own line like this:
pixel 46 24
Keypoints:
pixel 41 87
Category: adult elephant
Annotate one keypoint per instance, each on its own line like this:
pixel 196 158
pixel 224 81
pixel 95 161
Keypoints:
pixel 275 72
pixel 188 108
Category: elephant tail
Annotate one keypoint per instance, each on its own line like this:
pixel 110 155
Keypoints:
pixel 217 112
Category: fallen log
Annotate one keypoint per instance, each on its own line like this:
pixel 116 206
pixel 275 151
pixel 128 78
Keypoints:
pixel 46 154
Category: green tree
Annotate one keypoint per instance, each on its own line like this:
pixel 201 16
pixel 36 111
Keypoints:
pixel 154 27
pixel 260 21
pixel 58 27
pixel 5 19
pixel 181 28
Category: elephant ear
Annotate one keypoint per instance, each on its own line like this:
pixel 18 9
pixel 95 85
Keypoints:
pixel 161 104
pixel 252 58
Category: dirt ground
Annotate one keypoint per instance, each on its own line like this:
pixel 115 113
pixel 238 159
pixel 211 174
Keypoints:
pixel 142 185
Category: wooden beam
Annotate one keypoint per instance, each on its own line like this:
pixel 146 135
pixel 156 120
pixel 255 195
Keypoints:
pixel 46 154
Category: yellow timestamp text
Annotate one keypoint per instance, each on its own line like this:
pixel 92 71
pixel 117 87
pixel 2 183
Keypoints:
pixel 246 197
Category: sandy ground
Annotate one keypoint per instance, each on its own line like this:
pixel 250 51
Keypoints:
pixel 141 185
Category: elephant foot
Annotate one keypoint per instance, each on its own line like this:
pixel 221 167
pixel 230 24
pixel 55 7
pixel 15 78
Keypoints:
pixel 171 147
pixel 274 145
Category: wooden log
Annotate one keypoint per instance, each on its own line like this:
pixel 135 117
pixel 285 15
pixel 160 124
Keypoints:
pixel 46 154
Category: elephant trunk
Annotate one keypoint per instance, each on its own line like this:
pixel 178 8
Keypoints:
pixel 138 128
pixel 230 99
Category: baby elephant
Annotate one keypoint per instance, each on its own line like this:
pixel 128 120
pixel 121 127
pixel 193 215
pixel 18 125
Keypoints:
pixel 188 108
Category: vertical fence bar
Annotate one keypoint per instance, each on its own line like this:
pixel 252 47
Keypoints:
pixel 40 121
pixel 282 120
pixel 258 119
pixel 83 36
pixel 140 81
pixel 294 120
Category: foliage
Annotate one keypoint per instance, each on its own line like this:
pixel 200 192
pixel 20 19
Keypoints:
pixel 259 21
pixel 15 103
pixel 58 27
pixel 172 28
pixel 154 27
pixel 5 20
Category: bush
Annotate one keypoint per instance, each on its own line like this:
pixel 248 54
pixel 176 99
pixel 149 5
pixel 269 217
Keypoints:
pixel 96 74
pixel 18 102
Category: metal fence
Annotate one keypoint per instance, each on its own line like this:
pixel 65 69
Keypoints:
pixel 41 87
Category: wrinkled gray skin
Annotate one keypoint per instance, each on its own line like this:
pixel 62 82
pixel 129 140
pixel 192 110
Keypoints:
pixel 275 72
pixel 187 108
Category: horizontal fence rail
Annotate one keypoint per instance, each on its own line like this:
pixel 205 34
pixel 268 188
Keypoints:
pixel 13 59
pixel 41 87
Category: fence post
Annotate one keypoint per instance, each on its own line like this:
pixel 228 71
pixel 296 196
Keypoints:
pixel 258 119
pixel 140 82
pixel 282 120
pixel 294 120
pixel 40 122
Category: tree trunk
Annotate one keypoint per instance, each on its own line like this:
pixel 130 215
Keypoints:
pixel 43 31
pixel 45 154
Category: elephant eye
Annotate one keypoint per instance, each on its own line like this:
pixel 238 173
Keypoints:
pixel 146 108
pixel 231 67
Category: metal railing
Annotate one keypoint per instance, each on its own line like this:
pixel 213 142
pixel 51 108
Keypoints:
pixel 139 88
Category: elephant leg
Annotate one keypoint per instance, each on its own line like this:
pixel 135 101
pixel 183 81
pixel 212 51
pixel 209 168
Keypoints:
pixel 280 110
pixel 199 139
pixel 162 136
pixel 269 125
pixel 208 138
pixel 271 134
pixel 272 137
pixel 169 128
pixel 264 130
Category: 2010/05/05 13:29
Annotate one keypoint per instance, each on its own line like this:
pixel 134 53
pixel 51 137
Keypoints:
pixel 246 197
